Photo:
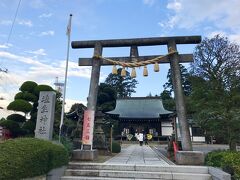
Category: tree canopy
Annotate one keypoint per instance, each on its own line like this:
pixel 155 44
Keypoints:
pixel 20 105
pixel 106 99
pixel 28 86
pixel 168 101
pixel 124 86
pixel 186 85
pixel 216 88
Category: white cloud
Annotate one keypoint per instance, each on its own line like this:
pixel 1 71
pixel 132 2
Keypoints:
pixel 189 14
pixel 40 52
pixel 176 6
pixel 35 71
pixel 5 22
pixel 45 15
pixel 47 33
pixel 25 23
pixel 161 24
pixel 149 2
pixel 232 37
pixel 27 60
pixel 70 102
pixel 4 113
pixel 214 33
pixel 19 21
pixel 36 68
pixel 5 46
pixel 37 4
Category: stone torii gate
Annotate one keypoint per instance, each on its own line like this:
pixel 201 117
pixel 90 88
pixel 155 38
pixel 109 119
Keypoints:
pixel 173 58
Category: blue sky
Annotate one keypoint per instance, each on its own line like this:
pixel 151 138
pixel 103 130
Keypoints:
pixel 38 44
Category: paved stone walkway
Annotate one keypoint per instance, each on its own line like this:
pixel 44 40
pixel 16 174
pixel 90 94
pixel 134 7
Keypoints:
pixel 138 155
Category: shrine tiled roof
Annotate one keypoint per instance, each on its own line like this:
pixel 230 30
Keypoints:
pixel 139 108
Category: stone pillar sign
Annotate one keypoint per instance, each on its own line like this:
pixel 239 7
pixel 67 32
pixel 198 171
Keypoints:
pixel 45 115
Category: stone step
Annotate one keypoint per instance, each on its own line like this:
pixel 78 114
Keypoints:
pixel 99 178
pixel 142 168
pixel 96 178
pixel 137 174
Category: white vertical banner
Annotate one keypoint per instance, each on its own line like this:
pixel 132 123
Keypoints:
pixel 88 123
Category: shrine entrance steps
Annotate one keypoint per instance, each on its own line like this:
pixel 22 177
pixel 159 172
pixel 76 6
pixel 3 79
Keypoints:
pixel 134 172
pixel 135 163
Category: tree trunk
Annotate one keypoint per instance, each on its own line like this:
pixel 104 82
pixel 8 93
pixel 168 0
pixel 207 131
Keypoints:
pixel 232 145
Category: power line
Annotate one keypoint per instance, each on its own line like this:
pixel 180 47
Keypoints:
pixel 13 22
pixel 5 70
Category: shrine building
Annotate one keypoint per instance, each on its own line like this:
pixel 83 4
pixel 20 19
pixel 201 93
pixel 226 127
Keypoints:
pixel 147 114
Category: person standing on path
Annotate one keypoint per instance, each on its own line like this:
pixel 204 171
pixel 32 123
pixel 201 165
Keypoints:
pixel 146 139
pixel 140 138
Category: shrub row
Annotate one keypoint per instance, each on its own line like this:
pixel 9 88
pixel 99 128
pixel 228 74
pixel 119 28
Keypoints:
pixel 227 160
pixel 116 148
pixel 29 157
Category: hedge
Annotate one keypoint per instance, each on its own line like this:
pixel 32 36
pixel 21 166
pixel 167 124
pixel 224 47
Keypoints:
pixel 116 148
pixel 29 157
pixel 228 161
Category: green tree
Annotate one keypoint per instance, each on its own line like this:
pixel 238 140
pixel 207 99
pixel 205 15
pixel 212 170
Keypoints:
pixel 106 99
pixel 20 105
pixel 13 126
pixel 168 100
pixel 25 101
pixel 124 86
pixel 186 84
pixel 17 118
pixel 216 88
pixel 73 124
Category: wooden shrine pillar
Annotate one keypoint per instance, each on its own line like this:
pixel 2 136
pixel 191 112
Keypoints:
pixel 179 97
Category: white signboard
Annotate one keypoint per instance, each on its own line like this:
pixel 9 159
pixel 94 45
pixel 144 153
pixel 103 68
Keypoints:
pixel 45 115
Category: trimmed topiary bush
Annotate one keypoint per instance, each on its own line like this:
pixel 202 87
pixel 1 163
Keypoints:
pixel 29 127
pixel 29 157
pixel 39 88
pixel 28 86
pixel 20 105
pixel 17 118
pixel 12 126
pixel 116 148
pixel 26 96
pixel 228 161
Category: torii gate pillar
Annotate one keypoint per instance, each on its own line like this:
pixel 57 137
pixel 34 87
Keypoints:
pixel 87 152
pixel 179 97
